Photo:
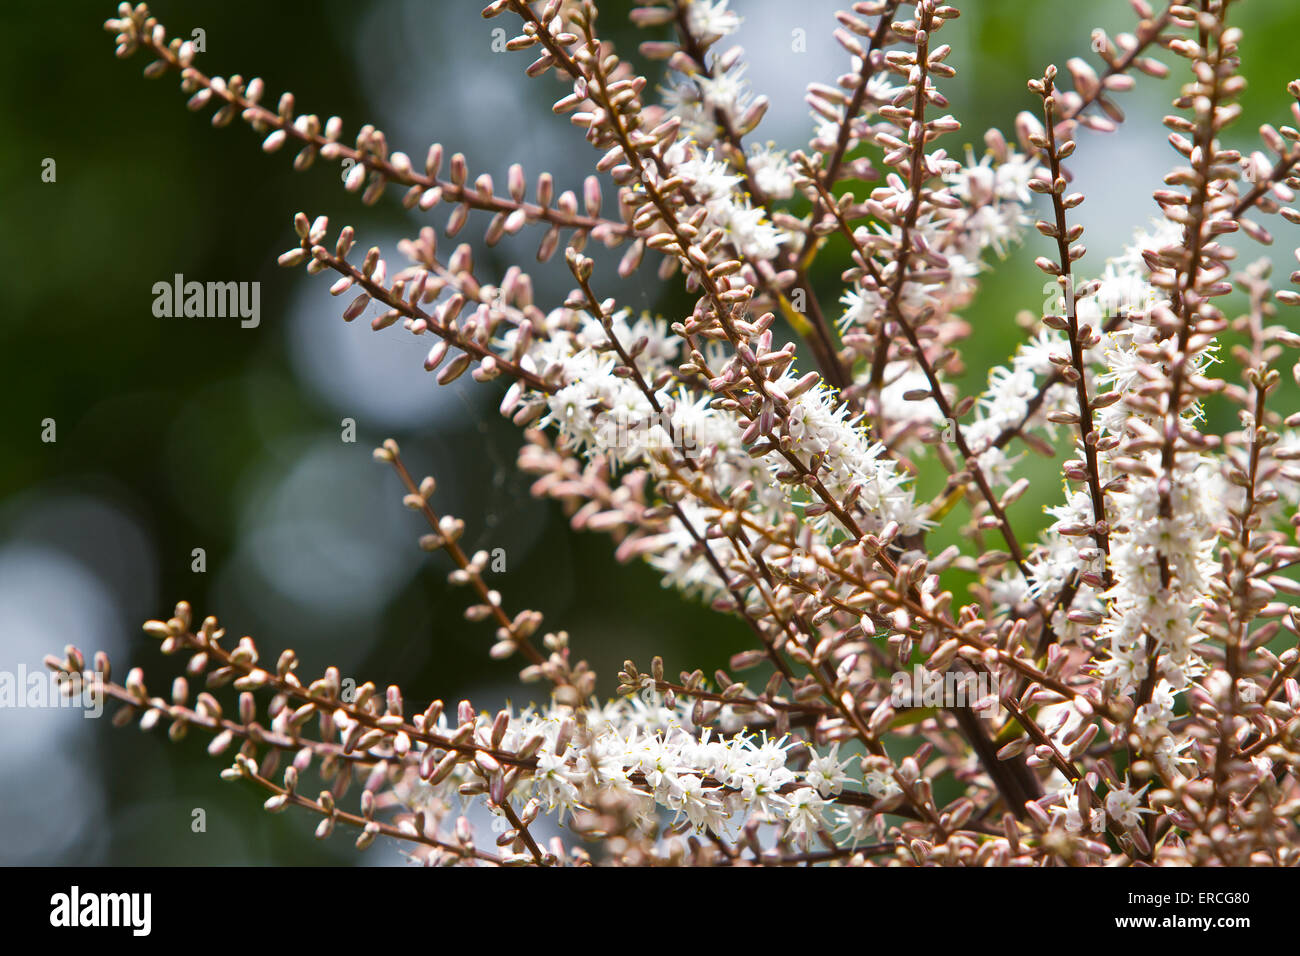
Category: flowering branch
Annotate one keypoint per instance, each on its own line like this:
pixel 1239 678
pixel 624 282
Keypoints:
pixel 1143 629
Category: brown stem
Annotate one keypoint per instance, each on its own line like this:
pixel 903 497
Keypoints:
pixel 1065 258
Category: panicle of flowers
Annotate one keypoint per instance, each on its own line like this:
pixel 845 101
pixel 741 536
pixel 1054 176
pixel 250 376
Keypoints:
pixel 1134 655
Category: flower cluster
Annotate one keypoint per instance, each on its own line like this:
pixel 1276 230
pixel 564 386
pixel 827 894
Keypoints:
pixel 1142 645
pixel 661 765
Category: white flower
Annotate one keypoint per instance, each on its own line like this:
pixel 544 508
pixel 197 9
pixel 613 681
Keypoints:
pixel 710 21
pixel 860 823
pixel 554 787
pixel 1012 178
pixel 826 772
pixel 710 178
pixel 806 814
pixel 771 172
pixel 1169 755
pixel 748 229
pixel 995 227
pixel 1125 807
pixel 881 785
pixel 859 306
pixel 688 795
pixel 727 91
pixel 1072 816
pixel 760 788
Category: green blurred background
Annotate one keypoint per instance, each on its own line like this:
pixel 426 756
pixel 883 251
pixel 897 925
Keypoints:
pixel 176 434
